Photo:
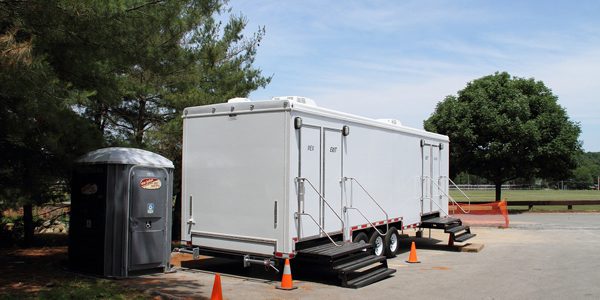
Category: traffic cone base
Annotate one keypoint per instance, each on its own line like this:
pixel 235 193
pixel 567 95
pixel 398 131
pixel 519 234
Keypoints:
pixel 286 289
pixel 412 258
pixel 217 293
pixel 286 279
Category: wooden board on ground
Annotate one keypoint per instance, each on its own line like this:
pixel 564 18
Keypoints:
pixel 471 247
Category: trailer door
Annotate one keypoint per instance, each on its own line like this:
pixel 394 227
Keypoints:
pixel 425 177
pixel 321 166
pixel 431 187
pixel 310 168
pixel 436 180
pixel 332 175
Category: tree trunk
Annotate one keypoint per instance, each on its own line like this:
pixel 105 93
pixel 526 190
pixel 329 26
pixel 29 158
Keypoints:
pixel 176 229
pixel 140 125
pixel 28 225
pixel 498 191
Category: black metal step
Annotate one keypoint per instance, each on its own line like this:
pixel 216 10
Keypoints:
pixel 367 278
pixel 463 237
pixel 359 263
pixel 349 258
pixel 354 263
pixel 430 215
pixel 332 251
pixel 455 229
pixel 439 222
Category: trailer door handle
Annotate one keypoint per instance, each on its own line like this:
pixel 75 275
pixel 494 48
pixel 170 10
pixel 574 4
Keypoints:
pixel 191 219
pixel 275 215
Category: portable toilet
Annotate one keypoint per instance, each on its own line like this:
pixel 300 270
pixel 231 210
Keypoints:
pixel 120 220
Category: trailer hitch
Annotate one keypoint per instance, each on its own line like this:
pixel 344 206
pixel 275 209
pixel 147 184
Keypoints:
pixel 267 262
pixel 195 252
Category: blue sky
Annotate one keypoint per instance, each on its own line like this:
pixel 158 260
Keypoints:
pixel 398 59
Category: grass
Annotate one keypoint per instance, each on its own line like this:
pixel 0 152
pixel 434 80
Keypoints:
pixel 534 195
pixel 556 208
pixel 79 288
pixel 90 289
pixel 527 195
pixel 39 273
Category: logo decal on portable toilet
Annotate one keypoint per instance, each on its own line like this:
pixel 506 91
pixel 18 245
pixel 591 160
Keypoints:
pixel 150 183
pixel 150 208
pixel 89 189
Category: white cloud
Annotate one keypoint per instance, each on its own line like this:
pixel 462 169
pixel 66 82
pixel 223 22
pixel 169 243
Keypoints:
pixel 398 59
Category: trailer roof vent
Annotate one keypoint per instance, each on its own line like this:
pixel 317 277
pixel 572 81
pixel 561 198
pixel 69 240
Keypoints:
pixel 238 100
pixel 390 121
pixel 297 99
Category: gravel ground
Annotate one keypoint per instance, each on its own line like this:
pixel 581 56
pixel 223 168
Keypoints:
pixel 541 256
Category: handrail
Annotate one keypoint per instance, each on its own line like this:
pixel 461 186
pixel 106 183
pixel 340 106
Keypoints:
pixel 431 196
pixel 461 191
pixel 447 195
pixel 320 228
pixel 372 225
pixel 450 197
pixel 447 214
pixel 387 218
pixel 321 196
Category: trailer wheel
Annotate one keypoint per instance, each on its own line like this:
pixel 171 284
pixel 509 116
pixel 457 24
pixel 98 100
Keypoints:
pixel 378 243
pixel 392 242
pixel 361 237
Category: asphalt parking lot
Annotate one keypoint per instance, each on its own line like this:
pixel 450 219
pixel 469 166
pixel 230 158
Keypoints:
pixel 541 256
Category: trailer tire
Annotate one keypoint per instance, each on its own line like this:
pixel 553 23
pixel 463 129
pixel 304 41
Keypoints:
pixel 361 237
pixel 378 243
pixel 392 242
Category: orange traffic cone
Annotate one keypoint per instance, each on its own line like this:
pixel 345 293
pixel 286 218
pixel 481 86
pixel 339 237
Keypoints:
pixel 286 280
pixel 217 294
pixel 412 258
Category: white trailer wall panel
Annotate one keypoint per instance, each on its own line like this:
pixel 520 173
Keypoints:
pixel 235 171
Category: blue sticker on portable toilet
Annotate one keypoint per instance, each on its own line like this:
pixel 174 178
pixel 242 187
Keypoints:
pixel 150 208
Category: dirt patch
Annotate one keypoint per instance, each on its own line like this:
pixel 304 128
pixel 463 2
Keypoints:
pixel 177 258
pixel 41 273
pixel 32 269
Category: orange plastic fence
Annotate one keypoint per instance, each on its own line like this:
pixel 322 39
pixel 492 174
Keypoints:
pixel 483 214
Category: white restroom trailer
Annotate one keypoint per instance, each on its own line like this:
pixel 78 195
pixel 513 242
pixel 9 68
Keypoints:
pixel 262 178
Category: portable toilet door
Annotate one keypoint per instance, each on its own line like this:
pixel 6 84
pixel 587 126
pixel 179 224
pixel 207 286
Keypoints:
pixel 148 217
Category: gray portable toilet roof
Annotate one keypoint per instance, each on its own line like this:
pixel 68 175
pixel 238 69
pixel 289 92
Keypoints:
pixel 125 156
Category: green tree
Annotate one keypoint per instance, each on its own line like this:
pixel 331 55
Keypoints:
pixel 199 62
pixel 222 68
pixel 125 67
pixel 158 64
pixel 40 135
pixel 588 169
pixel 502 128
